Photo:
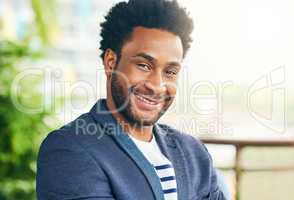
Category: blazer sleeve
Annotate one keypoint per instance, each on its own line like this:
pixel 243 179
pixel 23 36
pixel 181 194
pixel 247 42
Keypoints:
pixel 218 189
pixel 66 171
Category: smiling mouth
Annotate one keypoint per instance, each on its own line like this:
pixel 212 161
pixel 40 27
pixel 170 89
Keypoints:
pixel 147 100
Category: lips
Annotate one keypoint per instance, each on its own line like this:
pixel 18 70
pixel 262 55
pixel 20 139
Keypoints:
pixel 147 103
pixel 146 100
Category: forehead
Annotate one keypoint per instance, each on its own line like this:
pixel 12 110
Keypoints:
pixel 157 43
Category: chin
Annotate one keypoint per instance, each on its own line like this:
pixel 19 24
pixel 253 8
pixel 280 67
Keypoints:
pixel 146 123
pixel 146 120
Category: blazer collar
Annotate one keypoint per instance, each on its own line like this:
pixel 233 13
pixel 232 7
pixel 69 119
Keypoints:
pixel 166 142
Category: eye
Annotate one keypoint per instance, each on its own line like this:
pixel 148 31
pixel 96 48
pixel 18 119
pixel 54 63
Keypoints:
pixel 144 66
pixel 171 73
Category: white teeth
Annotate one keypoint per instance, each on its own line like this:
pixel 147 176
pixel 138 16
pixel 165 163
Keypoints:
pixel 145 100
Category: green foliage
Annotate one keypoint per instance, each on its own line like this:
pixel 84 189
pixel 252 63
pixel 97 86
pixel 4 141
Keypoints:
pixel 20 133
pixel 45 20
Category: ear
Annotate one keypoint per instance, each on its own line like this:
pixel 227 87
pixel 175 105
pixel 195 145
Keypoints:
pixel 109 61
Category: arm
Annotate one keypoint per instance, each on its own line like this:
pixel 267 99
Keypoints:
pixel 223 185
pixel 219 189
pixel 66 171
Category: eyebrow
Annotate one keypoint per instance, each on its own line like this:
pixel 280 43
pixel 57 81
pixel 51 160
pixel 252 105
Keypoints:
pixel 146 56
pixel 153 60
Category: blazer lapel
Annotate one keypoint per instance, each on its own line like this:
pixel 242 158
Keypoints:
pixel 112 128
pixel 172 150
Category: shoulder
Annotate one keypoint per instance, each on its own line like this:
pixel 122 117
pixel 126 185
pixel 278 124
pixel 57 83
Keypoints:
pixel 76 135
pixel 189 143
pixel 65 166
pixel 181 136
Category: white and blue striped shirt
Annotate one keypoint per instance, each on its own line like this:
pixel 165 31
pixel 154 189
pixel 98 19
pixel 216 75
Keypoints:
pixel 162 166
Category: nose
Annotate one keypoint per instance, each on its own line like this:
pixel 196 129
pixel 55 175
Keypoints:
pixel 156 84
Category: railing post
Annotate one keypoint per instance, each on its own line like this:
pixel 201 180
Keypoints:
pixel 238 171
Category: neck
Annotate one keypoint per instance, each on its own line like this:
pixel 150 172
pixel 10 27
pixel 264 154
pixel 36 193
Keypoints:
pixel 143 133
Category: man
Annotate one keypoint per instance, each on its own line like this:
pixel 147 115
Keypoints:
pixel 117 150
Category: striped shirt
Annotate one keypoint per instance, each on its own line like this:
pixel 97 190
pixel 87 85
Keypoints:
pixel 162 166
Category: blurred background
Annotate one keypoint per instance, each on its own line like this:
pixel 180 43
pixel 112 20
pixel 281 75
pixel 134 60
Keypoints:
pixel 236 88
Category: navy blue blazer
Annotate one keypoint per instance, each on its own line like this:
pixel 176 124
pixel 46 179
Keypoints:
pixel 91 158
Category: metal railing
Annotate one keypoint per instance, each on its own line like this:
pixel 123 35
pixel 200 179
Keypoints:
pixel 239 145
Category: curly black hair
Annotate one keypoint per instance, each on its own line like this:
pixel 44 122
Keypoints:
pixel 125 16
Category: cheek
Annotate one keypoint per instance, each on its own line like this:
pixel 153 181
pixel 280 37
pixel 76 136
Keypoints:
pixel 133 75
pixel 125 75
pixel 171 89
pixel 120 82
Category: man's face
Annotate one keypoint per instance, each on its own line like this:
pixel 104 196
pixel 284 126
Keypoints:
pixel 143 81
